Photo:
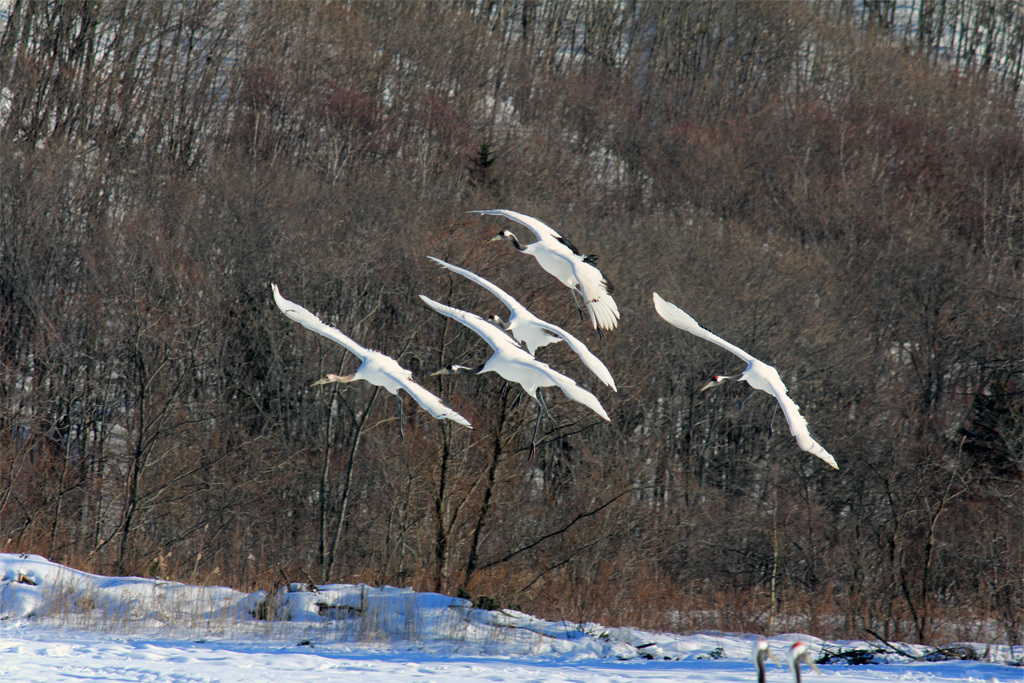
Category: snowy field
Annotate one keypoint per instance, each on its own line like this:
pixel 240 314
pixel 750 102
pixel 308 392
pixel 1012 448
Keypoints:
pixel 59 624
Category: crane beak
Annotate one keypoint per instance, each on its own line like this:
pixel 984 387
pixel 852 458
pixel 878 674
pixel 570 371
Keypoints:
pixel 708 385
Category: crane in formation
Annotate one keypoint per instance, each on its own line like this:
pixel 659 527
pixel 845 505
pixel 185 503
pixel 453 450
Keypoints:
pixel 514 343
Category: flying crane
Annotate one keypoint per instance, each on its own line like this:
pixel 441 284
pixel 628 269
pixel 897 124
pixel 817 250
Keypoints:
pixel 759 375
pixel 513 362
pixel 561 258
pixel 377 368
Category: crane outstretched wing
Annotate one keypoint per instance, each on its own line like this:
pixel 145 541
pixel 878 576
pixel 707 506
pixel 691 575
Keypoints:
pixel 510 303
pixel 574 391
pixel 798 424
pixel 432 403
pixel 681 319
pixel 596 291
pixel 497 339
pixel 586 355
pixel 541 231
pixel 311 322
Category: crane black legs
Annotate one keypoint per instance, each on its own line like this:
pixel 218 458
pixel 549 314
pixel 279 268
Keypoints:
pixel 740 406
pixel 401 432
pixel 541 406
pixel 576 300
pixel 771 424
pixel 579 309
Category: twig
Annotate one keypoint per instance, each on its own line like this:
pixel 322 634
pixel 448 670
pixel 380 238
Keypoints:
pixel 891 646
pixel 312 584
pixel 962 653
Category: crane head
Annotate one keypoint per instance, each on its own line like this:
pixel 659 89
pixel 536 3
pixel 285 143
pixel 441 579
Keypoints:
pixel 453 369
pixel 798 653
pixel 761 650
pixel 508 236
pixel 717 379
pixel 496 319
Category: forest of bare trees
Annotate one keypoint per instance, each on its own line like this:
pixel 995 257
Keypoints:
pixel 836 187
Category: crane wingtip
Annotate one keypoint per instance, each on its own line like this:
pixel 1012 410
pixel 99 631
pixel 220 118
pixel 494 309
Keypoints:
pixel 279 299
pixel 827 457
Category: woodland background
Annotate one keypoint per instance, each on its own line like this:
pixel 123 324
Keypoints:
pixel 834 186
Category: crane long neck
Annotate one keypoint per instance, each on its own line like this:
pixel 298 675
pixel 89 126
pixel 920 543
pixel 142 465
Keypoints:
pixel 466 370
pixel 515 241
pixel 760 667
pixel 796 671
pixel 331 377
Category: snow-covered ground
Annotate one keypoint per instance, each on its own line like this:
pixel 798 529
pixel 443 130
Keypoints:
pixel 59 624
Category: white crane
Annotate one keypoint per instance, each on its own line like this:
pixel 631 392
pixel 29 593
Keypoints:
pixel 760 376
pixel 758 654
pixel 377 368
pixel 562 259
pixel 798 653
pixel 513 362
pixel 530 330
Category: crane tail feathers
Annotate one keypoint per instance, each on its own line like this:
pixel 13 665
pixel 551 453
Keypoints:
pixel 604 312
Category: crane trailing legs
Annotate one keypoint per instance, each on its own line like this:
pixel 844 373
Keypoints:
pixel 771 423
pixel 542 409
pixel 542 406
